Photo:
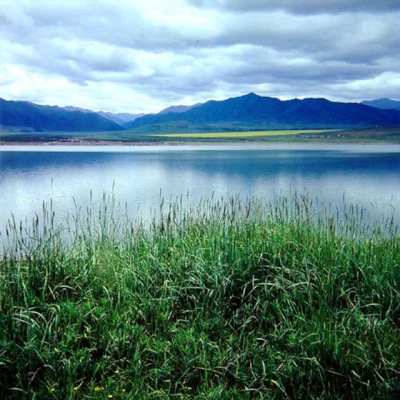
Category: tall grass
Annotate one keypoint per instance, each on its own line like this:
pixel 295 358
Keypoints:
pixel 224 299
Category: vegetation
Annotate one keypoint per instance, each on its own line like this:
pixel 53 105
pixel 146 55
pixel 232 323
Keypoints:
pixel 226 299
pixel 245 113
pixel 368 135
pixel 252 112
pixel 29 116
pixel 223 135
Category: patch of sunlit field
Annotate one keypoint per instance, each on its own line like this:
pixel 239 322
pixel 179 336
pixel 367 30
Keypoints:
pixel 249 134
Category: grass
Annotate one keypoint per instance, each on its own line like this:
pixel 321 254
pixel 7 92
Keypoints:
pixel 225 299
pixel 171 135
pixel 252 134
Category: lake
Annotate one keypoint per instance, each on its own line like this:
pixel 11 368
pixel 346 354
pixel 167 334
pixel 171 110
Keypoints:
pixel 367 175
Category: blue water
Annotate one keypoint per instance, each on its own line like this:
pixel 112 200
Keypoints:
pixel 367 175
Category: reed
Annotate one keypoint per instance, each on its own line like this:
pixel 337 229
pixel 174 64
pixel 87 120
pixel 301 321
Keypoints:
pixel 224 299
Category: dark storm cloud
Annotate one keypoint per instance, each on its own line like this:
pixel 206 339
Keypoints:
pixel 100 21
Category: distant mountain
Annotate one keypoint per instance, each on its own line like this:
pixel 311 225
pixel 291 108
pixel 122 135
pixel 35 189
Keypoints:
pixel 119 118
pixel 171 109
pixel 255 112
pixel 383 104
pixel 249 112
pixel 176 109
pixel 30 116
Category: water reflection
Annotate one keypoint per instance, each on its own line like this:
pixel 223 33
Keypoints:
pixel 365 174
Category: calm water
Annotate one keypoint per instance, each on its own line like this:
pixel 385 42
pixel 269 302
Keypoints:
pixel 368 175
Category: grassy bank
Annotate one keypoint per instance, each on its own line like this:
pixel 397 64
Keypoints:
pixel 223 300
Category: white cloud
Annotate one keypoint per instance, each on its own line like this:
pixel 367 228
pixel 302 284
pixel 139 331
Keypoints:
pixel 368 88
pixel 135 56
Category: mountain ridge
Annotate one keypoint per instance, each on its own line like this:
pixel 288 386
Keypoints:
pixel 119 118
pixel 252 111
pixel 31 116
pixel 176 109
pixel 247 112
pixel 383 103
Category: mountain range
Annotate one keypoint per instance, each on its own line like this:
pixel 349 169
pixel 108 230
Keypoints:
pixel 32 117
pixel 248 112
pixel 256 112
pixel 383 104
pixel 119 118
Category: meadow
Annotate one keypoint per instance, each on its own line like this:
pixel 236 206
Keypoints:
pixel 224 299
pixel 250 134
pixel 171 135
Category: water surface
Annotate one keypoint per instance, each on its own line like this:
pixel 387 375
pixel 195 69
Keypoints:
pixel 367 175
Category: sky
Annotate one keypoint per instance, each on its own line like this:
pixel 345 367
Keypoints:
pixel 140 56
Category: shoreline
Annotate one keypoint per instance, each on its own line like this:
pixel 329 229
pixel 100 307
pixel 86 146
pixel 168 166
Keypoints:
pixel 83 143
pixel 103 143
pixel 205 295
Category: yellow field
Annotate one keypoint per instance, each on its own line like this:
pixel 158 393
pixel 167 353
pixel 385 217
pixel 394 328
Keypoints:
pixel 241 134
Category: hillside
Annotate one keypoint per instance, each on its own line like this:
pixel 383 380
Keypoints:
pixel 176 109
pixel 246 113
pixel 119 118
pixel 383 104
pixel 32 117
pixel 255 112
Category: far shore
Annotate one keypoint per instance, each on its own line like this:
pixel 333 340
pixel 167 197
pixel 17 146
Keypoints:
pixel 87 143
pixel 374 135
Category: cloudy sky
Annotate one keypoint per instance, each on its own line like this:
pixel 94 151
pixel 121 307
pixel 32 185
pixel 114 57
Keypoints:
pixel 144 55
